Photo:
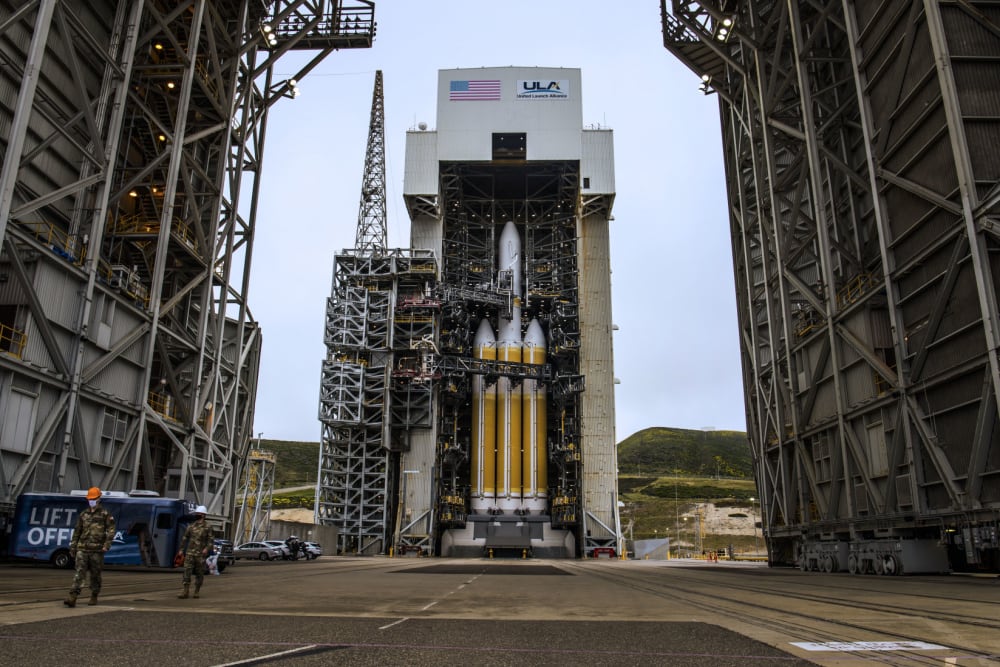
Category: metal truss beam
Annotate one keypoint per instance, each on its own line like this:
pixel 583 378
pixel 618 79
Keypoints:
pixel 130 176
pixel 861 212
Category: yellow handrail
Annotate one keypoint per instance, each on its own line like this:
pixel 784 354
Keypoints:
pixel 855 288
pixel 137 223
pixel 12 341
pixel 806 321
pixel 57 240
pixel 162 404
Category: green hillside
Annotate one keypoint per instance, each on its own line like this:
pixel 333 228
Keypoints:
pixel 677 451
pixel 650 452
pixel 296 463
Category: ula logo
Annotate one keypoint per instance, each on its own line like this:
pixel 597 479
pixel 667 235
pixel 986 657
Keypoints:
pixel 538 86
pixel 543 89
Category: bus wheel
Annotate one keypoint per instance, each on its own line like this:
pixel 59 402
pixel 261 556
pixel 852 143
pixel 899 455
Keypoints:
pixel 61 559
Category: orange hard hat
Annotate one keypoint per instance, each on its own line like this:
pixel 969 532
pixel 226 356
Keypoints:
pixel 93 493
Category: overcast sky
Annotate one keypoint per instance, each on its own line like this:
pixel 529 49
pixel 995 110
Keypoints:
pixel 676 350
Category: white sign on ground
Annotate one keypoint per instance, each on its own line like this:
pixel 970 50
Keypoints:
pixel 867 646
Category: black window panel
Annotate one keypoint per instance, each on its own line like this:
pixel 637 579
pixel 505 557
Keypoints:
pixel 510 146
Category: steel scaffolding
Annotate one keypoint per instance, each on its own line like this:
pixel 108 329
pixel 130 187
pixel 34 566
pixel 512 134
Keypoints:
pixel 377 379
pixel 376 384
pixel 255 496
pixel 860 153
pixel 476 200
pixel 399 358
pixel 132 135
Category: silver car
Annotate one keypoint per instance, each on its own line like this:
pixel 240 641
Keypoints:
pixel 258 550
pixel 280 545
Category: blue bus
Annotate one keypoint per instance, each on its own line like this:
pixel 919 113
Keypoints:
pixel 148 528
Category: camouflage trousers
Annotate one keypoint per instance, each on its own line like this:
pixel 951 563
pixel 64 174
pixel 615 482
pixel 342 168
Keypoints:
pixel 88 563
pixel 194 563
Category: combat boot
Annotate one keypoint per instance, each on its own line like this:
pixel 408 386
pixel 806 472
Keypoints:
pixel 93 599
pixel 197 590
pixel 70 600
pixel 184 595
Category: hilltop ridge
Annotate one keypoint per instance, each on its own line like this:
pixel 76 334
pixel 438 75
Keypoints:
pixel 677 451
pixel 651 451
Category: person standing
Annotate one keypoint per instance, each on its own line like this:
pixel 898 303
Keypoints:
pixel 292 543
pixel 198 540
pixel 92 536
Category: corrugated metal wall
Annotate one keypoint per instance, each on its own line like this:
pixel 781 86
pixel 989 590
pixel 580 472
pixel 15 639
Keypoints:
pixel 420 176
pixel 598 444
pixel 860 145
pixel 598 163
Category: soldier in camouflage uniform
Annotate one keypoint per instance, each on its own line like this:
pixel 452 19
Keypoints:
pixel 199 541
pixel 95 528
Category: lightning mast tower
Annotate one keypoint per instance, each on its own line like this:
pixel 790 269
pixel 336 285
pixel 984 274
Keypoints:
pixel 371 234
pixel 376 324
pixel 352 486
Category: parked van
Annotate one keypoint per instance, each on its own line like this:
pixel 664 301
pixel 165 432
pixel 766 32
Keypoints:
pixel 148 528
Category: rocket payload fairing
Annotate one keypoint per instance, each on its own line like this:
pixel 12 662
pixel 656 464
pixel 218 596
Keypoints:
pixel 508 461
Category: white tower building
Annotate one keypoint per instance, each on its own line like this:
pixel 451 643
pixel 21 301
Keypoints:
pixel 513 196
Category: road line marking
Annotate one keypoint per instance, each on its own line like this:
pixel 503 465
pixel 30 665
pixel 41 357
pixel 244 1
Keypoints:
pixel 386 627
pixel 250 661
pixel 429 606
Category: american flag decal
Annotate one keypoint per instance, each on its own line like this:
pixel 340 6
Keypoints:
pixel 474 90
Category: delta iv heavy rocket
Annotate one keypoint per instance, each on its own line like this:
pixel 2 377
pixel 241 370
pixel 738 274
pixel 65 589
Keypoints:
pixel 508 392
pixel 508 419
pixel 513 451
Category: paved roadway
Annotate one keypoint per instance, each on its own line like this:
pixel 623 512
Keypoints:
pixel 421 611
